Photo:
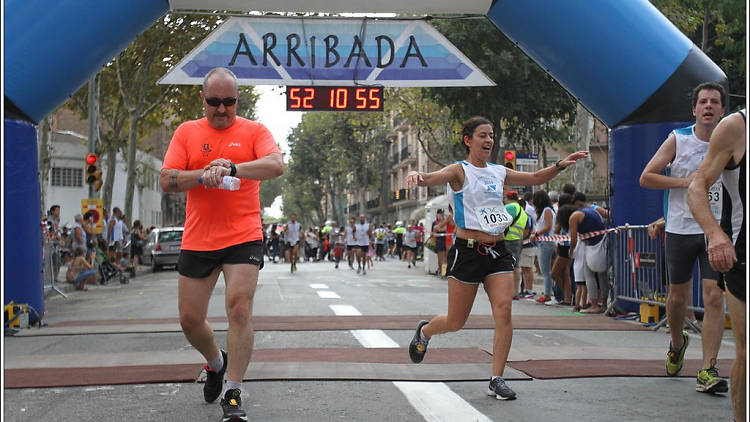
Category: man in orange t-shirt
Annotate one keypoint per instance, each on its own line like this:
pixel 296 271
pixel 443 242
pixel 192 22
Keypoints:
pixel 223 230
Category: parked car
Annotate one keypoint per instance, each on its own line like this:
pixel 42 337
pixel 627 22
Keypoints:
pixel 162 247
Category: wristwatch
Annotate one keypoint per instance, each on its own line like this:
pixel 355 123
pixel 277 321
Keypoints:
pixel 558 166
pixel 232 169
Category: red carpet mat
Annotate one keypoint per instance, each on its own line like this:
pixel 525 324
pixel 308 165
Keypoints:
pixel 565 321
pixel 587 368
pixel 142 374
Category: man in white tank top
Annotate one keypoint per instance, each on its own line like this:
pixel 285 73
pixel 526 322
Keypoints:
pixel 293 232
pixel 680 155
pixel 351 243
pixel 362 235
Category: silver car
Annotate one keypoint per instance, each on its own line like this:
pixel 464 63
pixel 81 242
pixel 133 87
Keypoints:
pixel 162 247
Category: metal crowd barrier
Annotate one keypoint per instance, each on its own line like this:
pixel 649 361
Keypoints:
pixel 49 253
pixel 640 272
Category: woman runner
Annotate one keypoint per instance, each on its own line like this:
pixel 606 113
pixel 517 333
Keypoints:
pixel 475 191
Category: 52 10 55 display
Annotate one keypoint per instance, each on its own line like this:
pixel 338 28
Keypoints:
pixel 334 98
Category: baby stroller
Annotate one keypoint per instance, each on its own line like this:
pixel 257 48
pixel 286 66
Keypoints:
pixel 109 272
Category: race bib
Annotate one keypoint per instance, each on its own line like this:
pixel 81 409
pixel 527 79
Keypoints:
pixel 493 219
pixel 714 201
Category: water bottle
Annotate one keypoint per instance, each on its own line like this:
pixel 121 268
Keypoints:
pixel 230 183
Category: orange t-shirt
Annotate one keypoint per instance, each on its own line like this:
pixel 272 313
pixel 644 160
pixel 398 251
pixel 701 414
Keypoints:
pixel 217 218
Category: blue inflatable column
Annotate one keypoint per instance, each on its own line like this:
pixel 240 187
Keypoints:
pixel 22 216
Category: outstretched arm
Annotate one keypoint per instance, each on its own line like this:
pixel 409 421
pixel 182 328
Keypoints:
pixel 452 174
pixel 544 175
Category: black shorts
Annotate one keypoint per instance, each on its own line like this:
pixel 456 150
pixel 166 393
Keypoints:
pixel 563 251
pixel 735 281
pixel 473 264
pixel 291 245
pixel 440 244
pixel 350 248
pixel 681 251
pixel 200 264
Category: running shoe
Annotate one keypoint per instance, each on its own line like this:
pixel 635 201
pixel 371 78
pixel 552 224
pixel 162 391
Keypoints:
pixel 417 347
pixel 232 406
pixel 552 302
pixel 709 381
pixel 542 299
pixel 214 381
pixel 676 358
pixel 500 390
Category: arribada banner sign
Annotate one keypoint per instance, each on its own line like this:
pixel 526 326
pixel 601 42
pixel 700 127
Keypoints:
pixel 312 51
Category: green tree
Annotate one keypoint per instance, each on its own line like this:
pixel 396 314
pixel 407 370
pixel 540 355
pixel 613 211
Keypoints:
pixel 132 105
pixel 718 28
pixel 526 104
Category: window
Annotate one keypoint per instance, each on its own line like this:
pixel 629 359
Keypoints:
pixel 67 176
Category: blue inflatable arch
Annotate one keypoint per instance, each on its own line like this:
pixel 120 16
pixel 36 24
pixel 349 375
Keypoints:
pixel 622 59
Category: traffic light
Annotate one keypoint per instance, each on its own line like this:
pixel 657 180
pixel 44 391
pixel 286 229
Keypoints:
pixel 93 174
pixel 510 159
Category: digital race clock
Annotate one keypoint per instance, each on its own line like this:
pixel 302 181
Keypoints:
pixel 334 98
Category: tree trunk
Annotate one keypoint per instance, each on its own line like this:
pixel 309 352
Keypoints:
pixel 132 148
pixel 109 177
pixel 45 161
pixel 584 133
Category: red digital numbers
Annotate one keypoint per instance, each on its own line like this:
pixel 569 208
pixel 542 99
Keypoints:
pixel 338 98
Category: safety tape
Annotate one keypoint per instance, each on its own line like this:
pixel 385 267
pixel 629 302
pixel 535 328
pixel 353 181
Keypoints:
pixel 583 236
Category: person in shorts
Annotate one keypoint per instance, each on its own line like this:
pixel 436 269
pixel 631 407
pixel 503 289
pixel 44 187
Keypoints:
pixel 683 151
pixel 479 255
pixel 726 239
pixel 223 229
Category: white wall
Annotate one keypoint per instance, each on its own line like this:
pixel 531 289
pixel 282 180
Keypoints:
pixel 69 149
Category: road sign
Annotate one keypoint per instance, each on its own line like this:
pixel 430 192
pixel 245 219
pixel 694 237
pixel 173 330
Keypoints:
pixel 527 159
pixel 93 207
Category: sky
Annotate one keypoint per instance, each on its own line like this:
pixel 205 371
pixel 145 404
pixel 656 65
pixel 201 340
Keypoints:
pixel 271 111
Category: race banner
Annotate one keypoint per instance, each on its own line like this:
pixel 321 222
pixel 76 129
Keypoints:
pixel 343 52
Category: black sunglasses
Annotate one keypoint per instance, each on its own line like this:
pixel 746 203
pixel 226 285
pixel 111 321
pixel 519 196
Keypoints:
pixel 215 102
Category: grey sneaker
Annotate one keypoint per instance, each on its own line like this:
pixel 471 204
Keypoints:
pixel 500 390
pixel 417 347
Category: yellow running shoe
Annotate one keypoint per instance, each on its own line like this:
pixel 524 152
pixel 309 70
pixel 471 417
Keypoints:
pixel 675 359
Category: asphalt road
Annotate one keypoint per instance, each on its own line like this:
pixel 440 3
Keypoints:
pixel 310 391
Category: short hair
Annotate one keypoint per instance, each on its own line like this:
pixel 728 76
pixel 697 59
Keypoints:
pixel 563 216
pixel 78 217
pixel 579 196
pixel 470 126
pixel 528 196
pixel 708 86
pixel 569 188
pixel 565 199
pixel 221 71
pixel 54 207
pixel 554 196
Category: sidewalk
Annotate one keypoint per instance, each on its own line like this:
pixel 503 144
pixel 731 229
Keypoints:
pixel 66 287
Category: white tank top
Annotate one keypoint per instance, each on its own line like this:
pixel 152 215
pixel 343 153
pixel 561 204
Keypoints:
pixel 479 203
pixel 117 230
pixel 689 154
pixel 350 236
pixel 360 234
pixel 292 232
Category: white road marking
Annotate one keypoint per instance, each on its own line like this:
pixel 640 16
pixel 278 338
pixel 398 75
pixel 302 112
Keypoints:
pixel 433 400
pixel 318 286
pixel 344 310
pixel 436 402
pixel 327 294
